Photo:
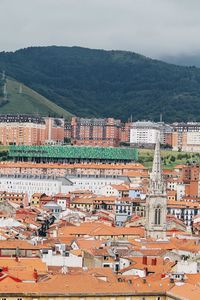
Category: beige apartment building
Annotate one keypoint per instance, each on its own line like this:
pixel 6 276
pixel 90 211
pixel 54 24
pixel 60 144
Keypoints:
pixel 30 130
pixel 186 137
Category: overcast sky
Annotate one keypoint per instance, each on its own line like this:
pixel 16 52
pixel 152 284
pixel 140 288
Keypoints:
pixel 151 27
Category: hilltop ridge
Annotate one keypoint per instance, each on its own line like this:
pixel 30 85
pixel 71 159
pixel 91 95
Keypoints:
pixel 99 83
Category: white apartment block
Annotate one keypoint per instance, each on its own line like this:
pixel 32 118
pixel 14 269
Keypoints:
pixel 95 185
pixel 144 133
pixel 186 214
pixel 31 184
pixel 34 184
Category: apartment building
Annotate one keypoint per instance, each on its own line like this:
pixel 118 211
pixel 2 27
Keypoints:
pixel 22 130
pixel 125 132
pixel 186 136
pixel 68 130
pixel 30 130
pixel 184 210
pixel 54 130
pixel 34 184
pixel 144 133
pixel 95 132
pixel 18 198
pixel 97 185
pixel 133 170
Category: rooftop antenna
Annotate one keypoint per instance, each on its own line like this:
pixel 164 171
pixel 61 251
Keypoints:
pixel 131 118
pixel 161 118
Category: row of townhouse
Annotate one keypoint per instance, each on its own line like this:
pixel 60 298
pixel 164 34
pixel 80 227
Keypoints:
pixel 184 210
pixel 76 169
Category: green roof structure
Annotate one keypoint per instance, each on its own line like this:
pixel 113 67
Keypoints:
pixel 73 152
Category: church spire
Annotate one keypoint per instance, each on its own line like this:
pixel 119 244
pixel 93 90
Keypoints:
pixel 156 202
pixel 156 178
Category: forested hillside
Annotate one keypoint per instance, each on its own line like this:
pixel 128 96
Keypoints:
pixel 1 87
pixel 184 60
pixel 102 83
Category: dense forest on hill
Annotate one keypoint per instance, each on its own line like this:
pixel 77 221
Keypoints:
pixel 102 83
pixel 184 59
pixel 1 86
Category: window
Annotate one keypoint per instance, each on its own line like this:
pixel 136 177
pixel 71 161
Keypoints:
pixel 44 251
pixel 157 216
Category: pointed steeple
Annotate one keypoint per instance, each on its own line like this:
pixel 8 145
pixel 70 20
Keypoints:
pixel 156 178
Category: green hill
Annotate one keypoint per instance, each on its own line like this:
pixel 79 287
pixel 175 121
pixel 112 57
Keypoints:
pixel 28 101
pixel 102 83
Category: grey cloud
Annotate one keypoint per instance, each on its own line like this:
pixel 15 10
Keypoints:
pixel 152 27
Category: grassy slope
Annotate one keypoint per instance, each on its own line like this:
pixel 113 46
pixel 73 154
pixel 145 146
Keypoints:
pixel 146 157
pixel 30 102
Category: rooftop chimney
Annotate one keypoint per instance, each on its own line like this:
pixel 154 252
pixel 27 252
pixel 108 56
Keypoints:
pixel 144 260
pixel 35 275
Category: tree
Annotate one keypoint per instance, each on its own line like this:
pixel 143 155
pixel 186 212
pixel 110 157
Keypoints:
pixel 172 158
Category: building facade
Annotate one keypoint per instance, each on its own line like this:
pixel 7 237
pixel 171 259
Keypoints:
pixel 95 132
pixel 21 130
pixel 30 130
pixel 54 130
pixel 186 136
pixel 144 133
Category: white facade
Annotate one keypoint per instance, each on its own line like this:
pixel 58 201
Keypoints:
pixel 109 190
pixel 193 138
pixel 71 260
pixel 186 214
pixel 95 185
pixel 144 133
pixel 180 191
pixel 62 203
pixel 178 187
pixel 189 267
pixel 31 185
pixel 123 210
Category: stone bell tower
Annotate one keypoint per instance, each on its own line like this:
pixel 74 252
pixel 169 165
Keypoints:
pixel 156 204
